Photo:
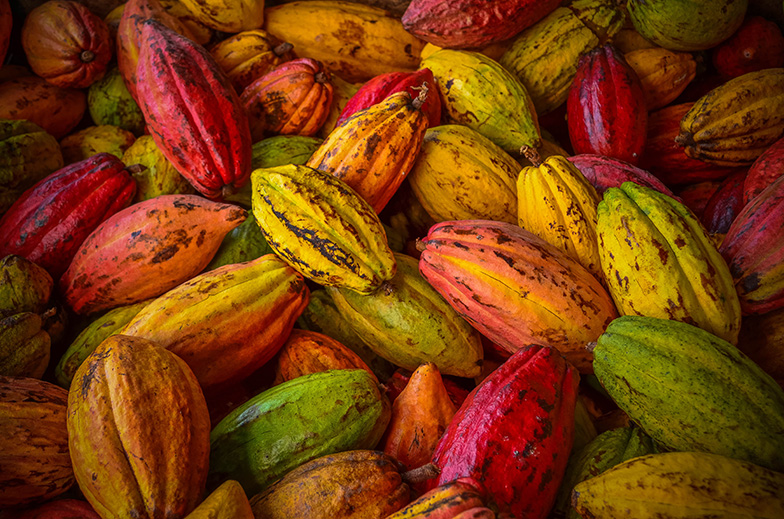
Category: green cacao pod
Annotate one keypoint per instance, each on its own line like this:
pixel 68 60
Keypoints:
pixel 110 102
pixel 159 177
pixel 408 323
pixel 692 391
pixel 295 422
pixel 24 346
pixel 96 139
pixel 245 242
pixel 24 286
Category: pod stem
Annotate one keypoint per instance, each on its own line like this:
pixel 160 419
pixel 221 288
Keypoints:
pixel 420 474
pixel 228 190
pixel 135 169
pixel 420 245
pixel 321 77
pixel 87 56
pixel 532 155
pixel 685 139
pixel 421 97
pixel 591 346
pixel 282 49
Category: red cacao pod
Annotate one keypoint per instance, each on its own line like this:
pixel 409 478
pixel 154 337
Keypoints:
pixel 754 250
pixel 665 158
pixel 66 44
pixel 192 111
pixel 61 509
pixel 725 204
pixel 764 171
pixel 472 24
pixel 757 45
pixel 519 453
pixel 603 172
pixel 6 24
pixel 380 87
pixel 606 108
pixel 293 99
pixel 696 196
pixel 49 222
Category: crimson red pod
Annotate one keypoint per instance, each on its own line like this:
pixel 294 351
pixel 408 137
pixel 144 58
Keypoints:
pixel 757 45
pixel 606 109
pixel 514 432
pixel 192 112
pixel 764 171
pixel 49 222
pixel 696 196
pixel 725 204
pixel 380 87
pixel 754 251
pixel 60 509
pixel 604 172
pixel 472 24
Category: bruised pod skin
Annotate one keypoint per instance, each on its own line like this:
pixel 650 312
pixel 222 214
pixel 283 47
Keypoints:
pixel 658 261
pixel 228 322
pixel 49 222
pixel 145 250
pixel 66 44
pixel 381 87
pixel 606 108
pixel 682 484
pixel 192 111
pixel 124 467
pixel 764 171
pixel 605 172
pixel 292 99
pixel 374 149
pixel 514 432
pixel 754 252
pixel 736 122
pixel 295 422
pixel 692 391
pixel 322 228
pixel 515 288
pixel 34 460
pixel 479 93
pixel 472 24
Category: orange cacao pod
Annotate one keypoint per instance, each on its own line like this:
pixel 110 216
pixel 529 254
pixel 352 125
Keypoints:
pixel 292 99
pixel 66 44
pixel 249 55
pixel 56 110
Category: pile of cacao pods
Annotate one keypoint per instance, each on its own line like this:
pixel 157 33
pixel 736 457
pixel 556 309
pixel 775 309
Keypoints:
pixel 390 259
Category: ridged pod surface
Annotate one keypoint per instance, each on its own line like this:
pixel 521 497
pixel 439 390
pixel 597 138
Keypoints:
pixel 736 122
pixel 382 86
pixel 228 322
pixel 467 24
pixel 192 111
pixel 6 25
pixel 559 206
pixel 93 140
pixel 515 288
pixel 145 250
pixel 445 502
pixel 292 99
pixel 24 346
pixel 760 338
pixel 34 460
pixel 695 484
pixel 606 110
pixel 328 31
pixel 322 227
pixel 60 509
pixel 606 451
pixel 227 15
pixel 374 149
pixel 56 110
pixel 357 484
pixel 111 103
pixel 658 261
pixel 544 57
pixel 605 172
pixel 725 204
pixel 479 93
pixel 764 171
pixel 24 286
pixel 52 219
pixel 663 74
pixel 408 323
pixel 295 422
pixel 753 250
pixel 124 467
pixel 701 25
pixel 228 501
pixel 249 55
pixel 692 391
pixel 514 432
pixel 461 175
pixel 159 176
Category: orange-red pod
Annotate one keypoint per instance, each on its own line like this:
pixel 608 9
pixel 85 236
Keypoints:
pixel 60 509
pixel 49 222
pixel 292 99
pixel 725 204
pixel 420 415
pixel 514 433
pixel 192 111
pixel 34 460
pixel 307 352
pixel 66 44
pixel 445 502
pixel 56 110
pixel 665 158
pixel 606 110
pixel 138 431
pixel 6 24
pixel 757 45
pixel 129 35
pixel 764 171
pixel 696 196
